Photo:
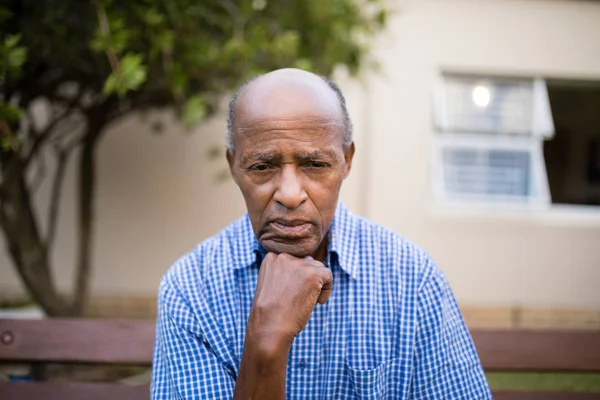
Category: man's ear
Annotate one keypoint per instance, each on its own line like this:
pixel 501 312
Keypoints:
pixel 230 155
pixel 348 156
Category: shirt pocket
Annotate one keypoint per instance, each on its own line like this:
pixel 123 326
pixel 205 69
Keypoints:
pixel 375 383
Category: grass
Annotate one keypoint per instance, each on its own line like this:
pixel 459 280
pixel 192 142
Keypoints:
pixel 553 382
pixel 16 303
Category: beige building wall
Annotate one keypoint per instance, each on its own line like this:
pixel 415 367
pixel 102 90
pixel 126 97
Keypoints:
pixel 158 194
pixel 157 197
pixel 548 258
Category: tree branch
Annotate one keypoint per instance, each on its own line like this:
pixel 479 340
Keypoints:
pixel 47 131
pixel 63 156
pixel 38 178
pixel 21 162
pixel 105 29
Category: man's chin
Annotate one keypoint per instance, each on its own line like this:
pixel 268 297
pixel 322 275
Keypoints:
pixel 298 248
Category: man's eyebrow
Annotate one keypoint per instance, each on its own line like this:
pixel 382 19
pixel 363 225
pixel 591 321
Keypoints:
pixel 315 155
pixel 260 156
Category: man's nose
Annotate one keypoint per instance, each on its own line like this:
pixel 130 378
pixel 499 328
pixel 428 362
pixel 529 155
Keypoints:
pixel 290 191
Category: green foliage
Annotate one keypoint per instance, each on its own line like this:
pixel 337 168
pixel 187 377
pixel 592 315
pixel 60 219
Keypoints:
pixel 10 113
pixel 93 61
pixel 184 53
pixel 129 75
pixel 194 111
pixel 12 56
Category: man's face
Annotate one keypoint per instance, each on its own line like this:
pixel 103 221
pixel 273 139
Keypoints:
pixel 289 162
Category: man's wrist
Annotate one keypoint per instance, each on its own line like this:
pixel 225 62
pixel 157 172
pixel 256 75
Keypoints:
pixel 263 367
pixel 267 346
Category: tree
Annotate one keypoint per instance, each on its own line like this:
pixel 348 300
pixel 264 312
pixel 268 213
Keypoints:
pixel 91 62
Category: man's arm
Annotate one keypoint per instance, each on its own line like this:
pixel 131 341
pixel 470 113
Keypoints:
pixel 446 362
pixel 184 367
pixel 287 290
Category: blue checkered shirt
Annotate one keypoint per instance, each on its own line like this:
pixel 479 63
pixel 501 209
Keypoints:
pixel 391 328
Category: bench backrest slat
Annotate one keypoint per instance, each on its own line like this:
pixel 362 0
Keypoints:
pixel 72 391
pixel 131 342
pixel 70 341
pixel 541 351
pixel 545 396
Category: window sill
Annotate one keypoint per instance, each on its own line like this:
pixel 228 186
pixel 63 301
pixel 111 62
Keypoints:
pixel 550 215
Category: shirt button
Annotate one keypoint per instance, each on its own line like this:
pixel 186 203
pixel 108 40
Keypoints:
pixel 302 364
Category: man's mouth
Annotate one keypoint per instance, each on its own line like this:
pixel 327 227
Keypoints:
pixel 290 228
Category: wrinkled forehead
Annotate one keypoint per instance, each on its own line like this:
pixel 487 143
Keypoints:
pixel 272 101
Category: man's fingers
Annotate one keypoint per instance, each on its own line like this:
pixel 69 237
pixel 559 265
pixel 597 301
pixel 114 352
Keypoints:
pixel 327 279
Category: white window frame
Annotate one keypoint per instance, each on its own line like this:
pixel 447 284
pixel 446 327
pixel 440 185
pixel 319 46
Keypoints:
pixel 541 122
pixel 542 128
pixel 540 212
pixel 531 145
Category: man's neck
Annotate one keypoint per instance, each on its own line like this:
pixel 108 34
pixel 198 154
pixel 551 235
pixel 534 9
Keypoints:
pixel 321 253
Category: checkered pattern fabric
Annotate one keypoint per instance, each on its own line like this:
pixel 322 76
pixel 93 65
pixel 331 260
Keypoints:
pixel 390 330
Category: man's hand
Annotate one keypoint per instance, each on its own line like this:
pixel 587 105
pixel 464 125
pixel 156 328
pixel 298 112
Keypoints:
pixel 287 291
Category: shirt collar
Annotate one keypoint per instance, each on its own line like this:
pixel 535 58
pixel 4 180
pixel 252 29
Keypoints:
pixel 342 247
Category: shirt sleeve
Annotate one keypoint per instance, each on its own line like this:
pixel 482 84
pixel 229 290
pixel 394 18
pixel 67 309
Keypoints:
pixel 184 365
pixel 446 362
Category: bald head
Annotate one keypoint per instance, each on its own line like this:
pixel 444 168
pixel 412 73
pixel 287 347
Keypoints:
pixel 286 93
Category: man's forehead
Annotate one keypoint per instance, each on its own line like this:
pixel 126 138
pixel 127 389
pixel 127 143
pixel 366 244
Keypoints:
pixel 287 95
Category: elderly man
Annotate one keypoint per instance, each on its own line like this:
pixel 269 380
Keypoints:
pixel 300 299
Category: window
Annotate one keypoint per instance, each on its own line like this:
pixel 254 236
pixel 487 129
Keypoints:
pixel 489 140
pixel 572 157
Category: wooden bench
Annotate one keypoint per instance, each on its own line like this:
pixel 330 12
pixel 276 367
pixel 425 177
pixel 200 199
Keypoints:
pixel 75 341
pixel 539 351
pixel 130 342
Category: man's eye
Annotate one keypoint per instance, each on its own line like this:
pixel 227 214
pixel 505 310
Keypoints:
pixel 259 167
pixel 316 164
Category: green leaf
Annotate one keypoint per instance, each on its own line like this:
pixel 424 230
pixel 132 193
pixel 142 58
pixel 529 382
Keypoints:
pixel 305 64
pixel 12 56
pixel 179 81
pixel 6 143
pixel 111 85
pixel 194 111
pixel 100 43
pixel 120 39
pixel 9 143
pixel 287 43
pixel 10 113
pixel 117 38
pixel 17 57
pixel 382 17
pixel 233 46
pixel 152 17
pixel 130 75
pixel 165 40
pixel 12 41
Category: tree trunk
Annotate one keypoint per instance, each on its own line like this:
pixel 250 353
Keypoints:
pixel 87 185
pixel 25 244
pixel 27 247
